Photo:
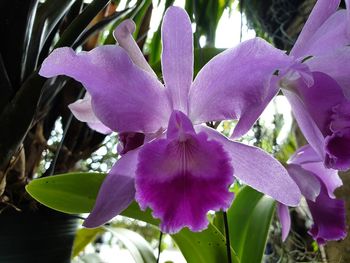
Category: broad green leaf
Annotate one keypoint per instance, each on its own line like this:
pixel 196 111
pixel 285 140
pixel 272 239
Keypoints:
pixel 249 220
pixel 83 237
pixel 71 193
pixel 76 193
pixel 139 248
pixel 208 246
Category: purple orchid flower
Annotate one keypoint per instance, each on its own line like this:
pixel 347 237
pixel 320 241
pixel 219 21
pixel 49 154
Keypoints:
pixel 180 169
pixel 82 110
pixel 317 185
pixel 317 84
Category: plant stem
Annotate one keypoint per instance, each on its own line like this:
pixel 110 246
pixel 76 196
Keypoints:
pixel 227 235
pixel 159 245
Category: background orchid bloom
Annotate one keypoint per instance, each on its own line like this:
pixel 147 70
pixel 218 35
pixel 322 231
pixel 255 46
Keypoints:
pixel 317 184
pixel 317 84
pixel 185 171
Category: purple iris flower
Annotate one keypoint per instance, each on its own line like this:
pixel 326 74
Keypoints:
pixel 178 168
pixel 317 185
pixel 317 83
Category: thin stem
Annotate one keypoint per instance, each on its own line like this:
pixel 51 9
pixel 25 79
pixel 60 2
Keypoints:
pixel 159 245
pixel 227 235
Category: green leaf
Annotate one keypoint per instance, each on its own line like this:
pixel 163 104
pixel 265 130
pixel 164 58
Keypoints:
pixel 99 26
pixel 76 193
pixel 155 47
pixel 79 24
pixel 139 248
pixel 249 220
pixel 83 237
pixel 71 193
pixel 208 246
pixel 48 16
pixel 140 16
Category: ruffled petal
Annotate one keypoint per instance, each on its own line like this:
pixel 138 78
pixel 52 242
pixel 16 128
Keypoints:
pixel 236 84
pixel 177 56
pixel 258 169
pixel 82 110
pixel 329 218
pixel 320 13
pixel 182 177
pixel 124 97
pixel 284 217
pixel 123 34
pixel 117 191
pixel 338 150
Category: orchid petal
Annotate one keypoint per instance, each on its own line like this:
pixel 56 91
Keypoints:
pixel 329 37
pixel 82 110
pixel 129 141
pixel 320 13
pixel 312 107
pixel 308 159
pixel 236 84
pixel 117 191
pixel 320 98
pixel 182 177
pixel 123 34
pixel 329 218
pixel 258 169
pixel 347 3
pixel 336 65
pixel 305 154
pixel 306 180
pixel 177 56
pixel 306 123
pixel 284 217
pixel 139 100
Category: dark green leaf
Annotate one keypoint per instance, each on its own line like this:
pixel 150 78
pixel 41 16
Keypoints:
pixel 16 23
pixel 48 16
pixel 99 26
pixel 5 86
pixel 17 117
pixel 79 24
